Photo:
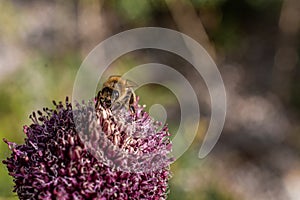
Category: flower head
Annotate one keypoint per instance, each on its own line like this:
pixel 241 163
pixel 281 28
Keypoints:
pixel 70 155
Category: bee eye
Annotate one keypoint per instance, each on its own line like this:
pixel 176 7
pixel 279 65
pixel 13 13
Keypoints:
pixel 115 94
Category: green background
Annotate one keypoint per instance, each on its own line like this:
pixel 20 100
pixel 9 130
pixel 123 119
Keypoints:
pixel 255 44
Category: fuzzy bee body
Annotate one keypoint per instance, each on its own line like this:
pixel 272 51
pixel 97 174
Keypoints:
pixel 117 93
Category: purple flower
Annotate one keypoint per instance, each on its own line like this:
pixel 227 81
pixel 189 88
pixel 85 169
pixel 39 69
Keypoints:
pixel 69 155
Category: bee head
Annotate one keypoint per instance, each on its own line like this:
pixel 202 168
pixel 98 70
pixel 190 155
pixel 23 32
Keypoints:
pixel 108 96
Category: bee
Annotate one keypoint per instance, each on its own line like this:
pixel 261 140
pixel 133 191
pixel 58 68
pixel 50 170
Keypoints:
pixel 117 93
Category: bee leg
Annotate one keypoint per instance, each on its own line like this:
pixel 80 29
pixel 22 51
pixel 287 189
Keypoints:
pixel 98 99
pixel 132 109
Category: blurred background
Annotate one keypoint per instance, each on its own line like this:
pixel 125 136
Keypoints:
pixel 255 43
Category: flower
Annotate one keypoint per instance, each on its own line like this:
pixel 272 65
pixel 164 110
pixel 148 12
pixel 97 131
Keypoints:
pixel 69 155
